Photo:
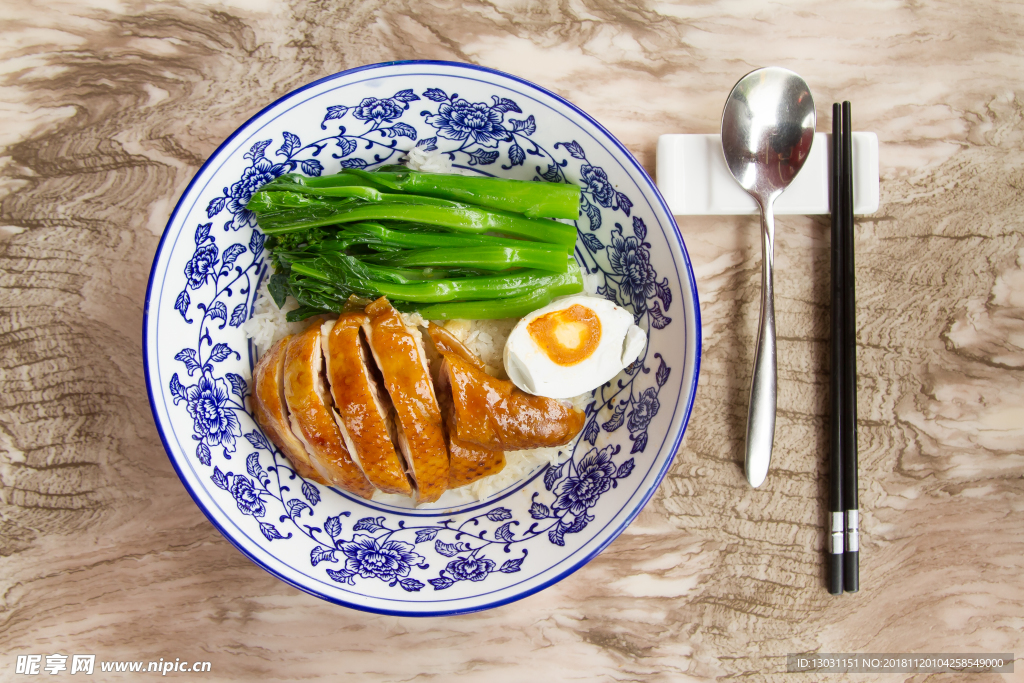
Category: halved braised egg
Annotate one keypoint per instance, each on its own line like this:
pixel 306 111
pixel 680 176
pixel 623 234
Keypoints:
pixel 572 346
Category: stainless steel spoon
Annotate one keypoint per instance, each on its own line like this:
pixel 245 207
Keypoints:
pixel 767 131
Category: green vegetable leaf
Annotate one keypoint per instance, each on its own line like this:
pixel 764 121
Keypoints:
pixel 278 288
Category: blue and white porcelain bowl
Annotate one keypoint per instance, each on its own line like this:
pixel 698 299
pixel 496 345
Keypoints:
pixel 430 560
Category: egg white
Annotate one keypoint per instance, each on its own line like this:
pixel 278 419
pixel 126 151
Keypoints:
pixel 530 368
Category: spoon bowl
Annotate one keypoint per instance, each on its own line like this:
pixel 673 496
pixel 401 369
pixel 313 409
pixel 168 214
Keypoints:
pixel 767 131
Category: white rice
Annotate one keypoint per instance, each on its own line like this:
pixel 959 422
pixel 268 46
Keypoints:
pixel 419 159
pixel 268 323
pixel 485 338
pixel 591 281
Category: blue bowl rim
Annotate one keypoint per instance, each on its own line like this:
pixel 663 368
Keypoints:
pixel 629 517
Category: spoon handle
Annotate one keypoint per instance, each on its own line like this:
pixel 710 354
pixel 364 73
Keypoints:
pixel 763 383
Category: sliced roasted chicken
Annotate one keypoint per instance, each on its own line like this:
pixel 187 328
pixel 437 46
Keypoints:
pixel 419 433
pixel 468 462
pixel 271 411
pixel 448 344
pixel 312 416
pixel 361 405
pixel 493 413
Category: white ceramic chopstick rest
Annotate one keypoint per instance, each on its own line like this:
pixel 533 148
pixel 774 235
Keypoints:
pixel 695 181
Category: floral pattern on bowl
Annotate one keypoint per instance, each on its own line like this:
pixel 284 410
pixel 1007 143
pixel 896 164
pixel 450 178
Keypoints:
pixel 429 560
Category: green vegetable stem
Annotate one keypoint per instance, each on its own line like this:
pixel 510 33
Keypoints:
pixel 350 276
pixel 533 199
pixel 484 258
pixel 461 218
pixel 530 198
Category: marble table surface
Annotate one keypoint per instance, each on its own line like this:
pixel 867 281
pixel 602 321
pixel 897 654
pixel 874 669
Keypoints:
pixel 109 107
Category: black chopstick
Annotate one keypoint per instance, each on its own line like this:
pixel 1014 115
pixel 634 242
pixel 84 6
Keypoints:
pixel 851 555
pixel 835 494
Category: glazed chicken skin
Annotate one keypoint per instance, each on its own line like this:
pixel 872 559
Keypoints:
pixel 447 344
pixel 312 417
pixel 271 411
pixel 362 406
pixel 496 415
pixel 470 462
pixel 467 461
pixel 419 431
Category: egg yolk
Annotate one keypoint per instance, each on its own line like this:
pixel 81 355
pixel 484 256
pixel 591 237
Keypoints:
pixel 569 336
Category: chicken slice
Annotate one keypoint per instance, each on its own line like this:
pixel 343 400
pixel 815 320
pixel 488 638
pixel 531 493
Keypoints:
pixel 361 404
pixel 311 414
pixel 470 462
pixel 467 461
pixel 448 344
pixel 495 414
pixel 420 435
pixel 271 411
